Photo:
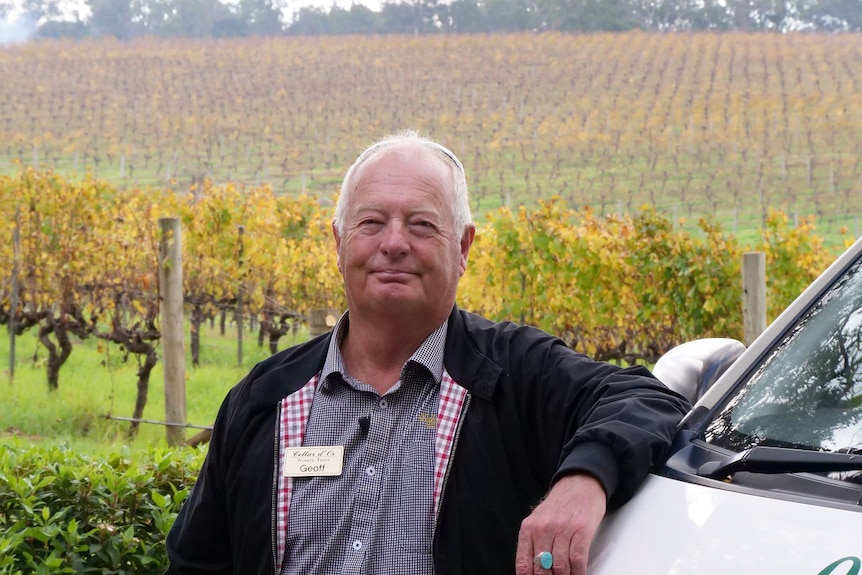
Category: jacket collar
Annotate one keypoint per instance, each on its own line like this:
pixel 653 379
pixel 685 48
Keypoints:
pixel 286 372
pixel 472 370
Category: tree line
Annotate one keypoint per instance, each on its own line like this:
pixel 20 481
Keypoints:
pixel 127 19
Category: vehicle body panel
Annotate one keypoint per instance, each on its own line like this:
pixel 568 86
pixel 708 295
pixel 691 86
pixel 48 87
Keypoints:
pixel 680 528
pixel 774 396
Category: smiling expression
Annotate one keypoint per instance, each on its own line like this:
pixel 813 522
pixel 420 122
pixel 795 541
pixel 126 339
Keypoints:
pixel 400 252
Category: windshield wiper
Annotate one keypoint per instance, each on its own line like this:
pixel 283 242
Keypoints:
pixel 762 459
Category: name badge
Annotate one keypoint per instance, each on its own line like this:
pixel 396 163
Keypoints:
pixel 315 461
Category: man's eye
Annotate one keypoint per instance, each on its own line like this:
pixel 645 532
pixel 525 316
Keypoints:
pixel 423 229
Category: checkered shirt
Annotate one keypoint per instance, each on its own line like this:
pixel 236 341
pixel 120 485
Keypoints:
pixel 378 516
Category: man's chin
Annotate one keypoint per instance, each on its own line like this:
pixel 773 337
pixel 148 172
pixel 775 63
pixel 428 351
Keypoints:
pixel 398 303
pixel 394 292
pixel 402 304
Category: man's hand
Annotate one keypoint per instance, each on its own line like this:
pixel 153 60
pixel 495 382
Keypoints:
pixel 564 523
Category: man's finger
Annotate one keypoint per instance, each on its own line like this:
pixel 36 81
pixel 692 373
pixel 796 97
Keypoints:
pixel 524 554
pixel 578 554
pixel 562 563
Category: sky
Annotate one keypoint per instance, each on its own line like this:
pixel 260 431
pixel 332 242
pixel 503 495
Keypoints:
pixel 18 28
pixel 15 29
pixel 79 8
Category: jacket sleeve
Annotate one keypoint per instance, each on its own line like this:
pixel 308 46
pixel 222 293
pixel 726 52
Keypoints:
pixel 199 540
pixel 614 423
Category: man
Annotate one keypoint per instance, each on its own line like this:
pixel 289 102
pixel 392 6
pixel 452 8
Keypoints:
pixel 417 438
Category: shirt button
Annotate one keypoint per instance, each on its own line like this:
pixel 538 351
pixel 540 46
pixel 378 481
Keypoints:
pixel 383 404
pixel 369 471
pixel 357 545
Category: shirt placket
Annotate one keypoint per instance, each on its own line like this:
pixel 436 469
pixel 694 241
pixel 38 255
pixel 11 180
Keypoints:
pixel 368 489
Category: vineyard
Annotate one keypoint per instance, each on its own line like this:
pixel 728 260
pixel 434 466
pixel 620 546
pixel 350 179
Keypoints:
pixel 719 125
pixel 616 181
pixel 84 263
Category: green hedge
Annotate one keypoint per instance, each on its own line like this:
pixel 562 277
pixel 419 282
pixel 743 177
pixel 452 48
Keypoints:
pixel 64 512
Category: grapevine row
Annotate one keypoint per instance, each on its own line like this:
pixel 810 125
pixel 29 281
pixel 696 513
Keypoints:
pixel 618 287
pixel 724 125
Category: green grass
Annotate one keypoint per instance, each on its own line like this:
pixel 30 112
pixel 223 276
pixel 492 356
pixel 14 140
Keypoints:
pixel 96 382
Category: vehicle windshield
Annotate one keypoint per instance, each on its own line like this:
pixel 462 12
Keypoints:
pixel 807 392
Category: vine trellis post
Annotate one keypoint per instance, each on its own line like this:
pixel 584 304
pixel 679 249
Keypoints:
pixel 239 294
pixel 13 307
pixel 754 295
pixel 171 310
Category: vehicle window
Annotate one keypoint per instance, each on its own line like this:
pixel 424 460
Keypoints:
pixel 807 393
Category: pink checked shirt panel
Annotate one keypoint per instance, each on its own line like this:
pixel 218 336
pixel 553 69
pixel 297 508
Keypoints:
pixel 294 412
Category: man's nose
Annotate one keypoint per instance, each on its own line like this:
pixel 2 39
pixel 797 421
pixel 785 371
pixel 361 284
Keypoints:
pixel 395 237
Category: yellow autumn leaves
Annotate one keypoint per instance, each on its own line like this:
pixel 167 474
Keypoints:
pixel 618 287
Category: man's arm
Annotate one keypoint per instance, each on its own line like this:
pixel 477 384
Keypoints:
pixel 621 423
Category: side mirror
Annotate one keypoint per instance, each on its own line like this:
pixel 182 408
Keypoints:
pixel 692 367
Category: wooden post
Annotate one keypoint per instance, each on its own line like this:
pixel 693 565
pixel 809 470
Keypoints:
pixel 13 307
pixel 171 298
pixel 239 312
pixel 754 295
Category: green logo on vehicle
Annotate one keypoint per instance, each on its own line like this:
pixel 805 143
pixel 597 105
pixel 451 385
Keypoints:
pixel 855 566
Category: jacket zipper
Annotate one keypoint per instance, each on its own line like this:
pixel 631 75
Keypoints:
pixel 461 419
pixel 274 514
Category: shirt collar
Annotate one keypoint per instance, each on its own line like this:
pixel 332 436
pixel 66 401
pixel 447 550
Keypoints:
pixel 429 354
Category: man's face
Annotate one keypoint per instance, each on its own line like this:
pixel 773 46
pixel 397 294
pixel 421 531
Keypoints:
pixel 400 252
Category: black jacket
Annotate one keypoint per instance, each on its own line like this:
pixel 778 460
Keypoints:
pixel 535 411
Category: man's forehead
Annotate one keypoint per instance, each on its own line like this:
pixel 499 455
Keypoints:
pixel 408 177
pixel 423 173
pixel 415 156
pixel 410 208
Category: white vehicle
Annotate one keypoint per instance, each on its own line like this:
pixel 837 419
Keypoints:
pixel 765 474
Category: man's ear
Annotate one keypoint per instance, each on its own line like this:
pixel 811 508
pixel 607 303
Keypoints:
pixel 337 247
pixel 466 242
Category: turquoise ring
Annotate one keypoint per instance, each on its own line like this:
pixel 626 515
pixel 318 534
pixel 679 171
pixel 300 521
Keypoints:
pixel 544 560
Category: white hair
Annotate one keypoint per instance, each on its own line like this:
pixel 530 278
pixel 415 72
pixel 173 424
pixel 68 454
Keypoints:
pixel 407 139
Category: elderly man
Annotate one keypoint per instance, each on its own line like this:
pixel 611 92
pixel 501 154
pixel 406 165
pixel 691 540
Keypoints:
pixel 418 438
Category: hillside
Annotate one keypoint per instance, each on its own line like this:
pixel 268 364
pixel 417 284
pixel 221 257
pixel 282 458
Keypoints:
pixel 718 125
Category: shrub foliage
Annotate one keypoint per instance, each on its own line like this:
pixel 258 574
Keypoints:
pixel 65 512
